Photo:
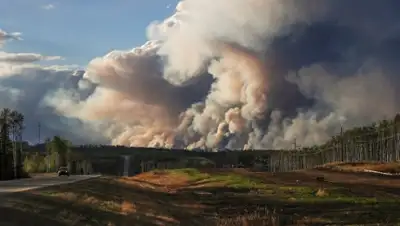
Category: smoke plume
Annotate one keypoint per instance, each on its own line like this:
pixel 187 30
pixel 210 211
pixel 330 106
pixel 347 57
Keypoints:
pixel 244 74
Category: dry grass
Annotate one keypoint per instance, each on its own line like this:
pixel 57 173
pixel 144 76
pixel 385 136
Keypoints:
pixel 156 180
pixel 392 167
pixel 127 208
pixel 88 200
pixel 260 217
pixel 211 197
pixel 321 193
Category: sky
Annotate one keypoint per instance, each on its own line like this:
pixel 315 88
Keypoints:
pixel 239 74
pixel 66 27
pixel 74 32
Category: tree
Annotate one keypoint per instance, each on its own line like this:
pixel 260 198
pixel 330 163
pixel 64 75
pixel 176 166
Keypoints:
pixel 397 120
pixel 5 126
pixel 61 147
pixel 11 125
pixel 49 152
pixel 35 163
pixel 18 123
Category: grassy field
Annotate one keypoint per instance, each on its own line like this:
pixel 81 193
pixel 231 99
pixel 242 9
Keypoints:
pixel 211 197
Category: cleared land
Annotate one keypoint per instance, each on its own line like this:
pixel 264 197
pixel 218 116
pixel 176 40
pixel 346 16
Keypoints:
pixel 211 197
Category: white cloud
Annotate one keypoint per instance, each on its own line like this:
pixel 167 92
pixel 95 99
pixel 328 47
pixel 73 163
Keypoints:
pixel 10 69
pixel 5 36
pixel 48 7
pixel 21 58
pixel 25 86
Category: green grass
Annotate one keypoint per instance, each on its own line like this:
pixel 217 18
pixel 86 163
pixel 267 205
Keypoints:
pixel 231 180
pixel 330 195
pixel 279 192
pixel 191 174
pixel 238 181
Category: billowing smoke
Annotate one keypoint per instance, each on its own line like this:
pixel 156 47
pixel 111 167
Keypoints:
pixel 244 74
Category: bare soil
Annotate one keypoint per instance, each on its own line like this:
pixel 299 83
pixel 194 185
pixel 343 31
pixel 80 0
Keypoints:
pixel 393 167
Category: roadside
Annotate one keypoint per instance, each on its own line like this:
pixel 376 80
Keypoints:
pixel 210 197
pixel 39 181
pixel 42 174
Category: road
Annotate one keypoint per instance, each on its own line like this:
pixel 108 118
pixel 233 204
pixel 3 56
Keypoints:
pixel 39 181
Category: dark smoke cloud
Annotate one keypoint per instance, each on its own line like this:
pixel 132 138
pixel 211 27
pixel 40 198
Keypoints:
pixel 282 71
pixel 25 87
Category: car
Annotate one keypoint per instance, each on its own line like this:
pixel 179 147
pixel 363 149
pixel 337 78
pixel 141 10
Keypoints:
pixel 63 171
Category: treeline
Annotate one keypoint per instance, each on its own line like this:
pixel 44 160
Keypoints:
pixel 362 134
pixel 14 161
pixel 379 141
pixel 39 163
pixel 58 153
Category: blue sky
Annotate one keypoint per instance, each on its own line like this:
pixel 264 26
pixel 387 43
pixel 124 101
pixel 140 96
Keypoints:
pixel 80 30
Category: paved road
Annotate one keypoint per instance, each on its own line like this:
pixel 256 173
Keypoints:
pixel 39 181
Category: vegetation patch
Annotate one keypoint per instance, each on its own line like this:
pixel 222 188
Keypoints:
pixel 210 197
pixel 194 178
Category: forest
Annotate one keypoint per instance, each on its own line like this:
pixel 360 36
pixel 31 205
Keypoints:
pixel 58 152
pixel 11 128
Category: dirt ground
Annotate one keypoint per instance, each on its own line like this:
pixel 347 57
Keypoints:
pixel 393 167
pixel 162 198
